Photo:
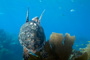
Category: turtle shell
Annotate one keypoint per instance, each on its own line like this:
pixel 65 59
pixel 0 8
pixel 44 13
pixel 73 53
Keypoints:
pixel 31 36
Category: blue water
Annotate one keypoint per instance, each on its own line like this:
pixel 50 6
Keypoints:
pixel 61 16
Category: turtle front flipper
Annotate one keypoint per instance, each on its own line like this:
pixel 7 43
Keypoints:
pixel 26 54
pixel 27 20
pixel 41 17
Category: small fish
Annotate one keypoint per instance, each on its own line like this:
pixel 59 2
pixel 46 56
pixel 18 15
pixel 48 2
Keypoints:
pixel 80 48
pixel 72 10
pixel 89 41
pixel 76 45
pixel 82 44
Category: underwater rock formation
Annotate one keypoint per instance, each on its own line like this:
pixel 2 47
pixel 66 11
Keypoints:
pixel 56 48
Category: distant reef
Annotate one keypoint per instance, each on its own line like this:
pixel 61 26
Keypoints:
pixel 9 46
pixel 60 48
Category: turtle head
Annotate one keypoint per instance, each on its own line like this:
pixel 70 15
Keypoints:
pixel 35 19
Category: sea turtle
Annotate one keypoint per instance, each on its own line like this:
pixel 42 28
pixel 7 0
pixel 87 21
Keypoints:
pixel 31 35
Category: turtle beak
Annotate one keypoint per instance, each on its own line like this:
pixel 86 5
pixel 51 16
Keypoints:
pixel 27 20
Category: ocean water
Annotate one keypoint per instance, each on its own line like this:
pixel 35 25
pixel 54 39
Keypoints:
pixel 61 16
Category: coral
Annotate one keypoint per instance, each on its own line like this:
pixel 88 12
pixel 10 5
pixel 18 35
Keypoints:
pixel 87 49
pixel 55 48
pixel 82 57
pixel 62 51
pixel 78 55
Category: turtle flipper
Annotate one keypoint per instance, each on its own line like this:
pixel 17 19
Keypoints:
pixel 27 20
pixel 41 17
pixel 26 54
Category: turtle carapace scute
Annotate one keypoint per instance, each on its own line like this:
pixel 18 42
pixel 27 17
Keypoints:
pixel 31 36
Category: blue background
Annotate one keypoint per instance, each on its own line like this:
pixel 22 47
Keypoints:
pixel 58 17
